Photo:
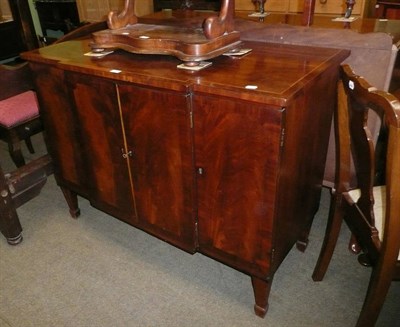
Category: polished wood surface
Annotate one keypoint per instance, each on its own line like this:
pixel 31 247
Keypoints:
pixel 227 161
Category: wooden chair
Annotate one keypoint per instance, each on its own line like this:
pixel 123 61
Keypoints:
pixel 18 187
pixel 19 111
pixel 371 212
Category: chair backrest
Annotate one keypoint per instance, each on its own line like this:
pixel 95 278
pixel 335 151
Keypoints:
pixel 355 140
pixel 15 80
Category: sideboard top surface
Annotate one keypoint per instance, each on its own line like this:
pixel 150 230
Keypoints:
pixel 270 73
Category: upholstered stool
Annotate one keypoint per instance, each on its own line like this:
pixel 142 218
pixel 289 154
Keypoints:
pixel 19 120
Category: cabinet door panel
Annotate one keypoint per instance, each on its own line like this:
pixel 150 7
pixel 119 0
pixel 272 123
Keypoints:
pixel 61 132
pixel 237 148
pixel 158 132
pixel 99 124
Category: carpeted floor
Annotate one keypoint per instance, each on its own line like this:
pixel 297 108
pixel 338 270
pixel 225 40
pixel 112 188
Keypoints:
pixel 99 272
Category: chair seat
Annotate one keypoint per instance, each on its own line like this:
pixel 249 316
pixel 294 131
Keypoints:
pixel 27 109
pixel 379 207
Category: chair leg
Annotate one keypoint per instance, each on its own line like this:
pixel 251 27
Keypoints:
pixel 29 145
pixel 331 236
pixel 381 278
pixel 377 290
pixel 354 247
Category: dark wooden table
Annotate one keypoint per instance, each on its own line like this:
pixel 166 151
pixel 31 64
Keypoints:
pixel 361 25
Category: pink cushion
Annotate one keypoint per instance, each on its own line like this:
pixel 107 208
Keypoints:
pixel 18 109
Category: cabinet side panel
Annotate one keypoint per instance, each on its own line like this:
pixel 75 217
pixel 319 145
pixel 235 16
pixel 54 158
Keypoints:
pixel 308 120
pixel 237 146
pixel 158 132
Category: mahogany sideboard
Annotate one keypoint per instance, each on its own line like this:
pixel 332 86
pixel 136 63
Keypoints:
pixel 227 161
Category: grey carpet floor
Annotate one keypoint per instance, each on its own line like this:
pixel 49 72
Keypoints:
pixel 97 271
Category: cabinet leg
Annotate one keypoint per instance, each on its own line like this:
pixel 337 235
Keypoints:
pixel 313 207
pixel 72 201
pixel 302 242
pixel 301 245
pixel 261 290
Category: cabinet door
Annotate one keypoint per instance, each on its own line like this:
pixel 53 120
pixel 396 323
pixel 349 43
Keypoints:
pixel 100 133
pixel 159 136
pixel 237 147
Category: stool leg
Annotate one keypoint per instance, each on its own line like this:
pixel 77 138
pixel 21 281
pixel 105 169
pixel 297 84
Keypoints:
pixel 29 145
pixel 14 147
pixel 16 154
